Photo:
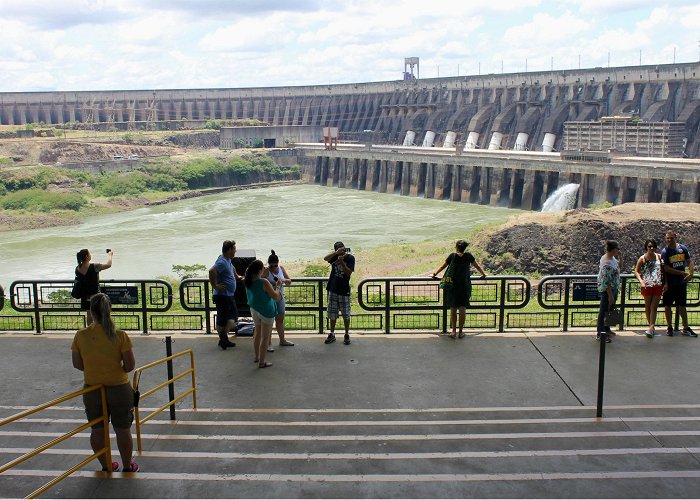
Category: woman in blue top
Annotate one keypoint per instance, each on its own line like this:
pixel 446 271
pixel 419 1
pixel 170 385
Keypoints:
pixel 262 298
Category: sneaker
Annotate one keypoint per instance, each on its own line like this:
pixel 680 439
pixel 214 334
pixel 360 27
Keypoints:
pixel 287 343
pixel 226 343
pixel 330 339
pixel 270 348
pixel 607 338
pixel 649 334
pixel 669 331
pixel 688 332
pixel 115 467
pixel 346 339
pixel 134 467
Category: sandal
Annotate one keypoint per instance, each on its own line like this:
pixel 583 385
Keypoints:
pixel 461 335
pixel 264 364
pixel 452 336
pixel 134 467
pixel 115 467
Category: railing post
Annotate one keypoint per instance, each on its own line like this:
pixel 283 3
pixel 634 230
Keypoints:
pixel 567 284
pixel 37 316
pixel 501 306
pixel 320 307
pixel 144 313
pixel 105 423
pixel 207 305
pixel 601 376
pixel 171 385
pixel 623 292
pixel 387 307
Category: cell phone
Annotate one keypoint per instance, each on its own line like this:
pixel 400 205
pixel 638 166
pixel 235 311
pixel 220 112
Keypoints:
pixel 347 250
pixel 275 278
pixel 108 250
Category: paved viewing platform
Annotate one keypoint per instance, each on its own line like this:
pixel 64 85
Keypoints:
pixel 490 415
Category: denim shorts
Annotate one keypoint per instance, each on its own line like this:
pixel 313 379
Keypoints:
pixel 259 319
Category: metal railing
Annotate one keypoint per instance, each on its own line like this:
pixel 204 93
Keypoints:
pixel 106 450
pixel 43 297
pixel 576 297
pixel 417 303
pixel 171 388
pixel 305 309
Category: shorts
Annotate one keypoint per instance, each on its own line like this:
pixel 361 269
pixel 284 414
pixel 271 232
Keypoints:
pixel 676 294
pixel 652 291
pixel 259 319
pixel 281 306
pixel 338 305
pixel 120 405
pixel 226 309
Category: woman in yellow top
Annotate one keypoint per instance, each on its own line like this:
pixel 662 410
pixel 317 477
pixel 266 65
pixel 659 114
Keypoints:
pixel 105 356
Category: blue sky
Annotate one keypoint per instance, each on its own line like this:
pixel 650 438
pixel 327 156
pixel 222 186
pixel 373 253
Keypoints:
pixel 159 44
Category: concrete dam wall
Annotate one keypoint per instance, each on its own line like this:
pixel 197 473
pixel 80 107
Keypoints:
pixel 499 179
pixel 514 111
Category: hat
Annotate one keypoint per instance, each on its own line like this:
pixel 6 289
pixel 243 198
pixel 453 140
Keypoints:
pixel 337 245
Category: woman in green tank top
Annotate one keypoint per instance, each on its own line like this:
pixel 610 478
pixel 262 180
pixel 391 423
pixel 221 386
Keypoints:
pixel 262 298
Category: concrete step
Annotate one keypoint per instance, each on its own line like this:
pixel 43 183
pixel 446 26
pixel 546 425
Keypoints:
pixel 549 452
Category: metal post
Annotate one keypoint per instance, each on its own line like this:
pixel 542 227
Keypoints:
pixel 623 290
pixel 171 386
pixel 601 376
pixel 207 312
pixel 144 306
pixel 387 307
pixel 567 283
pixel 37 317
pixel 501 306
pixel 320 307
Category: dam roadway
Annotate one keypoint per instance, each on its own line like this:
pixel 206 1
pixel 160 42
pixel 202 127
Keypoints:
pixel 514 179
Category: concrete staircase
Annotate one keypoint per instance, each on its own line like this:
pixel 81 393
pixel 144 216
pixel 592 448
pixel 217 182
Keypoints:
pixel 634 451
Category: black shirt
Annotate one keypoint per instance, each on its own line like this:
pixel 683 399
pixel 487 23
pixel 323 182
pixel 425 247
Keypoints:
pixel 338 281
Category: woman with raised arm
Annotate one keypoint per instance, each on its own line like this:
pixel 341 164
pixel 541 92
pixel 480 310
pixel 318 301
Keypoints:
pixel 275 273
pixel 87 275
pixel 105 356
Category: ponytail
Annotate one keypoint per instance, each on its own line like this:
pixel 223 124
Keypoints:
pixel 82 255
pixel 253 268
pixel 101 310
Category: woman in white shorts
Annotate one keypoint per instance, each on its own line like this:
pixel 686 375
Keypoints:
pixel 262 298
pixel 275 274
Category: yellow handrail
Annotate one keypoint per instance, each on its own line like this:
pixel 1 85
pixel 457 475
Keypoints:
pixel 192 390
pixel 106 451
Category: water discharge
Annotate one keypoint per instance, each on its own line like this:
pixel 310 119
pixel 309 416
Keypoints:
pixel 299 222
pixel 563 198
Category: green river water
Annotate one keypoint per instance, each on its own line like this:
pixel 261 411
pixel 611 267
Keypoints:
pixel 299 222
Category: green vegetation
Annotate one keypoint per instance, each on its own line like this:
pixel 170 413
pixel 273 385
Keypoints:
pixel 42 201
pixel 600 206
pixel 30 189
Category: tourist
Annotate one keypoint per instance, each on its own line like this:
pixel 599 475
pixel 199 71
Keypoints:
pixel 105 356
pixel 275 273
pixel 649 272
pixel 222 277
pixel 87 278
pixel 262 298
pixel 342 266
pixel 676 258
pixel 457 284
pixel 608 286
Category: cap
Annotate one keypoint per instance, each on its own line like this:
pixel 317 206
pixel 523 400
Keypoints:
pixel 337 245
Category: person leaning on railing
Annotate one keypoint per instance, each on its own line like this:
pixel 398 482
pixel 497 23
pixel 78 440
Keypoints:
pixel 105 356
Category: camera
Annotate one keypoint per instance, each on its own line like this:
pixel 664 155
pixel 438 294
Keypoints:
pixel 108 250
pixel 347 250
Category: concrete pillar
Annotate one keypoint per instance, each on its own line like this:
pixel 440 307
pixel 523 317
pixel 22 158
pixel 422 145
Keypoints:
pixel 406 178
pixel 496 186
pixel 457 173
pixel 362 175
pixel 383 176
pixel 599 189
pixel 430 181
pixel 466 183
pixel 689 191
pixel 528 189
pixel 485 186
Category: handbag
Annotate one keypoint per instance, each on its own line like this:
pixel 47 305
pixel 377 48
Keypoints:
pixel 446 282
pixel 613 317
pixel 76 291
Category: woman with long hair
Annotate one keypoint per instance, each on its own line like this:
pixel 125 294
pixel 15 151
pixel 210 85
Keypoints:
pixel 649 272
pixel 262 298
pixel 105 356
pixel 275 273
pixel 88 277
pixel 458 287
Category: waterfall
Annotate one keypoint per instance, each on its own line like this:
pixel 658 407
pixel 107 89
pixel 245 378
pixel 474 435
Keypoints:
pixel 563 198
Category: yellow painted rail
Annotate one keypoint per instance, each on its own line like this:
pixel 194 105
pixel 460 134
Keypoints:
pixel 106 451
pixel 192 390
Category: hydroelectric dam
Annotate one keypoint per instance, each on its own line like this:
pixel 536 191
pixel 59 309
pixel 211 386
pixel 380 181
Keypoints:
pixel 625 133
